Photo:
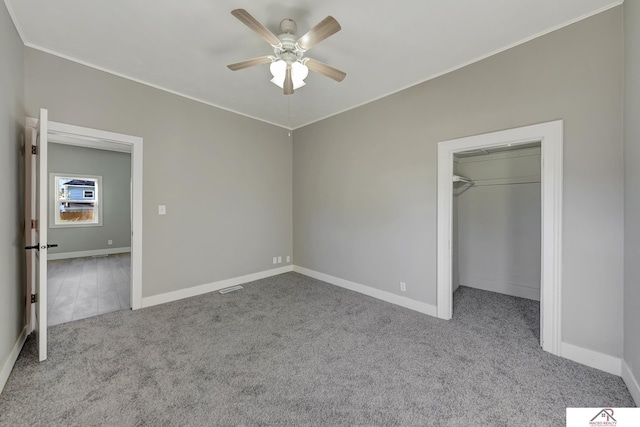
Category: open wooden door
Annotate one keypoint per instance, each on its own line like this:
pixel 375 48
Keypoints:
pixel 36 236
pixel 41 177
pixel 29 221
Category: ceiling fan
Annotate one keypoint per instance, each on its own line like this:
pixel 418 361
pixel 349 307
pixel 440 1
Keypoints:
pixel 288 64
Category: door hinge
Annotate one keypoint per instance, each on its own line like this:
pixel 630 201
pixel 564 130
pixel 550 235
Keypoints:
pixel 34 298
pixel 34 149
pixel 34 224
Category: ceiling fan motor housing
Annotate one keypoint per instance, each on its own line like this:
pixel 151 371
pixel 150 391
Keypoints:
pixel 288 26
pixel 288 42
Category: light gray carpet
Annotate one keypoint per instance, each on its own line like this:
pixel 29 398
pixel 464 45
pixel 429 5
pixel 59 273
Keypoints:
pixel 291 350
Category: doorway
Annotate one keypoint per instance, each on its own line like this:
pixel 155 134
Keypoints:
pixel 90 221
pixel 550 137
pixel 38 132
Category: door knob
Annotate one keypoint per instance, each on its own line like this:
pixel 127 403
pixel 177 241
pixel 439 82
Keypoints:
pixel 38 247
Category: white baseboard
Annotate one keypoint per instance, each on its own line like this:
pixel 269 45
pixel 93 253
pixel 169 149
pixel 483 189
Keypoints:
pixel 81 254
pixel 632 382
pixel 211 287
pixel 372 292
pixel 592 358
pixel 501 287
pixel 11 359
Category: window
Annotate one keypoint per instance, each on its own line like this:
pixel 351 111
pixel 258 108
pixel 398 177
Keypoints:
pixel 76 200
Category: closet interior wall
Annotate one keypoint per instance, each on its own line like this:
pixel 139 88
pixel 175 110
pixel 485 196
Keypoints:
pixel 497 221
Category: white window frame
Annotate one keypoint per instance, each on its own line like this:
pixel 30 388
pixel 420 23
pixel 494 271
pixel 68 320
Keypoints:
pixel 54 200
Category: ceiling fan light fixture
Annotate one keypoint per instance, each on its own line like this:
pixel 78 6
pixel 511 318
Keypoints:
pixel 299 72
pixel 289 66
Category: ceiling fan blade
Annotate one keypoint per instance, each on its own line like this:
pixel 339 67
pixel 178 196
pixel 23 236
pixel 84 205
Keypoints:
pixel 324 69
pixel 250 63
pixel 327 27
pixel 287 87
pixel 251 22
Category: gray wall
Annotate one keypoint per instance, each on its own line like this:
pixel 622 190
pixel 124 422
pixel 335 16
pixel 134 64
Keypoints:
pixel 11 171
pixel 364 182
pixel 241 215
pixel 498 223
pixel 632 187
pixel 115 170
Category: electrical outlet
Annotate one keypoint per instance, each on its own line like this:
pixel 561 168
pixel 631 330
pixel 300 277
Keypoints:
pixel 275 259
pixel 279 259
pixel 288 258
pixel 109 242
pixel 162 209
pixel 403 287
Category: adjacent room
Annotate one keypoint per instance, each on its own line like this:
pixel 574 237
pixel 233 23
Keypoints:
pixel 238 216
pixel 89 271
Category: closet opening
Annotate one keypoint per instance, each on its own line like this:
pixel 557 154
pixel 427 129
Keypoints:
pixel 496 237
pixel 517 274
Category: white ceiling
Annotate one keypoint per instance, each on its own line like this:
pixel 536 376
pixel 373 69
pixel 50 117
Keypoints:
pixel 384 46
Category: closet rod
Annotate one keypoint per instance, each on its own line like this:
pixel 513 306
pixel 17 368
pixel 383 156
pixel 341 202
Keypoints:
pixel 458 178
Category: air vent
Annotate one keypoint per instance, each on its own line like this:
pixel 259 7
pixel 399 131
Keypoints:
pixel 231 289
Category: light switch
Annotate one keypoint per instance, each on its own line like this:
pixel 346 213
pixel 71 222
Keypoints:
pixel 162 209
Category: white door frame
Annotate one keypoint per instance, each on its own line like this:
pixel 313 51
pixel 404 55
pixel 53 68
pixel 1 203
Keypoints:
pixel 550 135
pixel 98 138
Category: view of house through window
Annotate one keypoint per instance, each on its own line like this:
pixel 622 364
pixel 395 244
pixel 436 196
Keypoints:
pixel 77 200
